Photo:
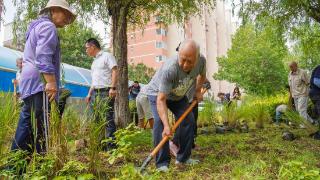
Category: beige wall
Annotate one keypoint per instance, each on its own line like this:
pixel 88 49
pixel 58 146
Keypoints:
pixel 175 35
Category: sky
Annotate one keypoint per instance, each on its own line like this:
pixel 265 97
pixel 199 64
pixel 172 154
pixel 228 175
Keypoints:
pixel 98 25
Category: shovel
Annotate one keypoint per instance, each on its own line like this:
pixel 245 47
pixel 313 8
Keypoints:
pixel 166 138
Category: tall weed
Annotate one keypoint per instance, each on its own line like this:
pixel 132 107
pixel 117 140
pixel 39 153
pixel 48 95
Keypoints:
pixel 208 115
pixel 9 115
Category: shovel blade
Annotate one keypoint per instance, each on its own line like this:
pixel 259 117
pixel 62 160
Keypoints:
pixel 145 163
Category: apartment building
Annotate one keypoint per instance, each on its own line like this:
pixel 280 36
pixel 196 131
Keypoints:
pixel 213 31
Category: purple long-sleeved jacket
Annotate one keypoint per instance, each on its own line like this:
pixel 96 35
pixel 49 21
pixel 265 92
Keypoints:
pixel 41 55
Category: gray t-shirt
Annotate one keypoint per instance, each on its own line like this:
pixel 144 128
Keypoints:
pixel 192 89
pixel 173 81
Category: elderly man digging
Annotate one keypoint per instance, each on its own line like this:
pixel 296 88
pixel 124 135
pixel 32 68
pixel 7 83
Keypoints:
pixel 41 60
pixel 168 89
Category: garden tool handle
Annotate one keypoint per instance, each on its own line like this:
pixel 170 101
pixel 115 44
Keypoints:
pixel 175 126
pixel 166 138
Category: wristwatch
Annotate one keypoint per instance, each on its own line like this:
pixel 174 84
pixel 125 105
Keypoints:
pixel 113 88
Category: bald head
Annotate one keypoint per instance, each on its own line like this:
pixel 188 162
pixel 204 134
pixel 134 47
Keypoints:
pixel 293 66
pixel 188 55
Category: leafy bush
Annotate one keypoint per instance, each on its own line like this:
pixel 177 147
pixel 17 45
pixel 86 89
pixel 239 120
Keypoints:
pixel 123 140
pixel 129 172
pixel 261 109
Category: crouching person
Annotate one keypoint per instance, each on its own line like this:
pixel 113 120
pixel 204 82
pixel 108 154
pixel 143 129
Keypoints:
pixel 168 89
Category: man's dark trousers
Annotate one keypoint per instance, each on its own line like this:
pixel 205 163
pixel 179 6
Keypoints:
pixel 315 98
pixel 184 133
pixel 103 109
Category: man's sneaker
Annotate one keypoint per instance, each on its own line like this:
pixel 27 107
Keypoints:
pixel 192 161
pixel 163 169
pixel 188 162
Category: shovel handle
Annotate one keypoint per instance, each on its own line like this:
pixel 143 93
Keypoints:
pixel 176 125
pixel 166 138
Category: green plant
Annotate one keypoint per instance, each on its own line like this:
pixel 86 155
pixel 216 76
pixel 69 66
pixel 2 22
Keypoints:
pixel 41 167
pixel 295 118
pixel 73 168
pixel 259 109
pixel 295 170
pixel 230 115
pixel 260 115
pixel 133 111
pixel 9 114
pixel 57 143
pixel 12 163
pixel 96 130
pixel 129 172
pixel 134 73
pixel 208 114
pixel 123 140
pixel 72 121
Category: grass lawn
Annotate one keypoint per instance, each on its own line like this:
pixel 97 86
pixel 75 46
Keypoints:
pixel 259 154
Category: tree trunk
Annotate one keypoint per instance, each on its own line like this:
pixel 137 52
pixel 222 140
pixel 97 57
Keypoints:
pixel 119 41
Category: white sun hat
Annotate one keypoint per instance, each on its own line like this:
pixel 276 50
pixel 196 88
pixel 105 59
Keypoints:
pixel 62 4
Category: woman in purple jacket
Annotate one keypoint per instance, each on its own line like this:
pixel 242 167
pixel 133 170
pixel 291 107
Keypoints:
pixel 40 74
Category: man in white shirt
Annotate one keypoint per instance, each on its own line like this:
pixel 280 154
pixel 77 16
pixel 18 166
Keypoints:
pixel 299 82
pixel 103 87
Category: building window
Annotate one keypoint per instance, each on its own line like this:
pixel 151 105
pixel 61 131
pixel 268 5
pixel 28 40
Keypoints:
pixel 161 32
pixel 160 58
pixel 161 44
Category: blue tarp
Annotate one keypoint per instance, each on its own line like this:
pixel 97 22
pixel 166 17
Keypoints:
pixel 77 79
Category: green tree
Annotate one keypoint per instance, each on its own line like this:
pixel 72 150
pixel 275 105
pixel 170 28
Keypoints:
pixel 72 40
pixel 307 45
pixel 298 20
pixel 255 60
pixel 122 13
pixel 288 12
pixel 141 73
